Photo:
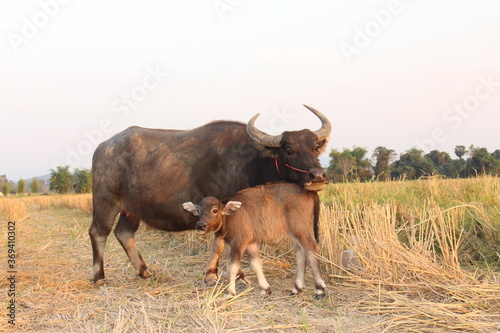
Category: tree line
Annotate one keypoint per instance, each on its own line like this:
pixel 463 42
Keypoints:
pixel 355 164
pixel 61 181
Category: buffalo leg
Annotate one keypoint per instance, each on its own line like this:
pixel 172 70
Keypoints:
pixel 125 233
pixel 256 264
pixel 212 267
pixel 102 223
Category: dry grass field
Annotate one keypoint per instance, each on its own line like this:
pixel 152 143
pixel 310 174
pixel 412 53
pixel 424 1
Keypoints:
pixel 426 259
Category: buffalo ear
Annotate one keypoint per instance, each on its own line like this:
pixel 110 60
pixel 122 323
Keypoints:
pixel 322 145
pixel 269 152
pixel 192 208
pixel 230 207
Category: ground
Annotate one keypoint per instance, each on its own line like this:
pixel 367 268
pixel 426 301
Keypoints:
pixel 54 293
pixel 427 260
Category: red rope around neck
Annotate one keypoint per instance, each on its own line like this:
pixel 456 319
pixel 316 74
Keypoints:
pixel 277 160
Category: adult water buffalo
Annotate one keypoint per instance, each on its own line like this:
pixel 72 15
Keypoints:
pixel 146 174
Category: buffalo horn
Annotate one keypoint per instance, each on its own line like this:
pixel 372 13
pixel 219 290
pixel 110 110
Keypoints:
pixel 274 140
pixel 261 137
pixel 326 127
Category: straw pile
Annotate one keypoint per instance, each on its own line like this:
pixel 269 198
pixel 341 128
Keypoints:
pixel 14 210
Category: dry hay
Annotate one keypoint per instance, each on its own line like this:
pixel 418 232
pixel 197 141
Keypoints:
pixel 407 272
pixel 409 286
pixel 13 209
pixel 77 201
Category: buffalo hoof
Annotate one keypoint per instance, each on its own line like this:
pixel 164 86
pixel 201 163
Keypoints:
pixel 319 296
pixel 98 282
pixel 97 277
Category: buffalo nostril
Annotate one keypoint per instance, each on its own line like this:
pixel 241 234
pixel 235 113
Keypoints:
pixel 318 175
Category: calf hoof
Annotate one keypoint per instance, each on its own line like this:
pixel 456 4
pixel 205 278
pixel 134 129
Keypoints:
pixel 265 292
pixel 210 279
pixel 229 295
pixel 295 291
pixel 146 274
pixel 245 281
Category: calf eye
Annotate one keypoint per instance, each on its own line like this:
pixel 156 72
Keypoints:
pixel 215 211
pixel 317 148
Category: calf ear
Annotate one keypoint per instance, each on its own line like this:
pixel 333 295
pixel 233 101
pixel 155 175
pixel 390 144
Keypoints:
pixel 192 208
pixel 230 207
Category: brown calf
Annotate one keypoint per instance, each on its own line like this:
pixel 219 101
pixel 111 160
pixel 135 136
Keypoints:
pixel 264 213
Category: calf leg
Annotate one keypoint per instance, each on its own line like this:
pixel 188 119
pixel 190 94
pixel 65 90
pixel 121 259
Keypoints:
pixel 213 260
pixel 212 269
pixel 256 264
pixel 125 233
pixel 234 266
pixel 301 258
pixel 310 247
pixel 102 222
pixel 306 248
pixel 318 280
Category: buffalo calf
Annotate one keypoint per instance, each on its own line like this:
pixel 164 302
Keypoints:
pixel 264 213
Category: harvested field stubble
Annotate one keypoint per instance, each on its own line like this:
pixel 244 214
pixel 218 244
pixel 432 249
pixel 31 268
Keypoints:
pixel 423 259
pixel 411 255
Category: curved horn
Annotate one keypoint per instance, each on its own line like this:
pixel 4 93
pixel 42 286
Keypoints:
pixel 326 127
pixel 261 137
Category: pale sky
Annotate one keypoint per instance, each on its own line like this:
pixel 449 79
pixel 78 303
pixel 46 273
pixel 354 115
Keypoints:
pixel 399 74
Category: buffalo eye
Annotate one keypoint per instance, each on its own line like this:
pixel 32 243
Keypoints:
pixel 288 151
pixel 317 148
pixel 215 211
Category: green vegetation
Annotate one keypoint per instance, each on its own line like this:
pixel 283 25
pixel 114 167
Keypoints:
pixel 5 188
pixel 62 181
pixel 35 186
pixel 21 186
pixel 353 165
pixel 83 180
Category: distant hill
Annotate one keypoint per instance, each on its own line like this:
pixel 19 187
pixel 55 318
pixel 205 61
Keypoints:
pixel 45 178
